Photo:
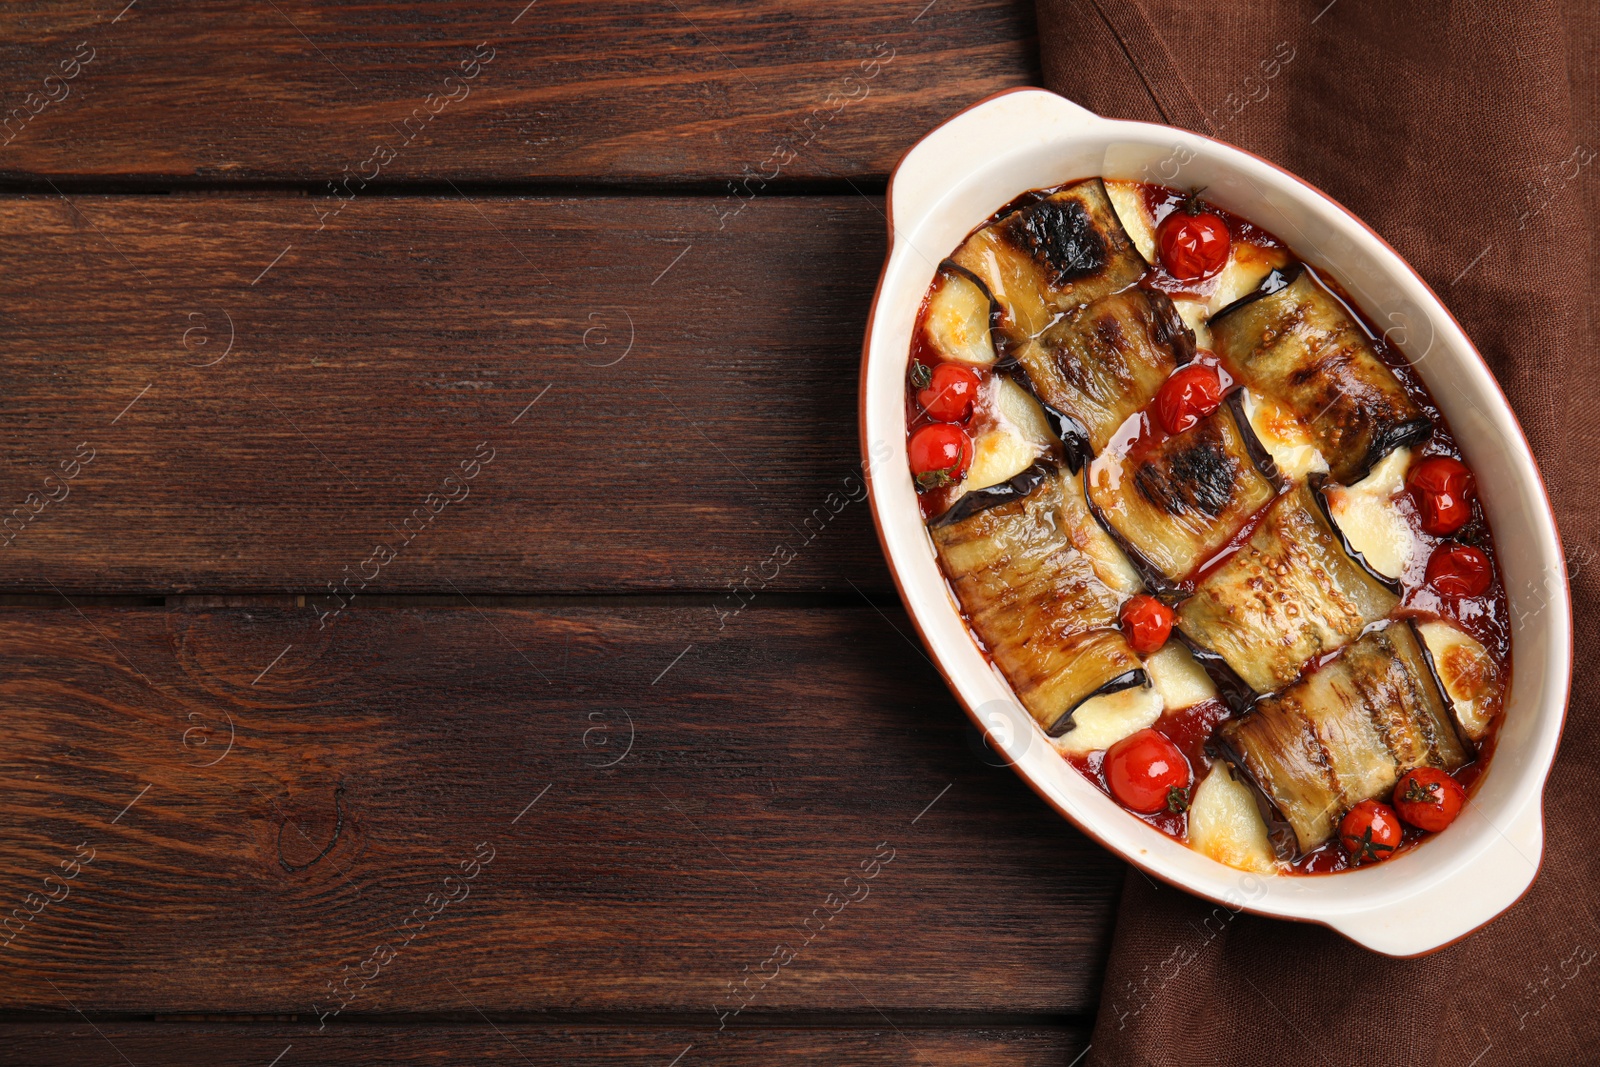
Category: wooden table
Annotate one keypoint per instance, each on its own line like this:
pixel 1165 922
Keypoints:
pixel 403 406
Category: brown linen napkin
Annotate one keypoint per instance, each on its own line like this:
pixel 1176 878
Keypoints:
pixel 1466 135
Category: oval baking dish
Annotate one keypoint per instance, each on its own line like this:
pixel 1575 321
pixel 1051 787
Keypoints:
pixel 987 156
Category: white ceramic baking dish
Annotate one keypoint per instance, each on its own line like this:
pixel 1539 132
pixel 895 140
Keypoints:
pixel 953 180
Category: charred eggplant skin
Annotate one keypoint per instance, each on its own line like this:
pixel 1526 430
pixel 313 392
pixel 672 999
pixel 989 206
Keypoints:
pixel 1345 732
pixel 1235 692
pixel 1287 595
pixel 1300 346
pixel 995 496
pixel 1074 436
pixel 1035 600
pixel 1105 361
pixel 1134 679
pixel 1050 255
pixel 1175 505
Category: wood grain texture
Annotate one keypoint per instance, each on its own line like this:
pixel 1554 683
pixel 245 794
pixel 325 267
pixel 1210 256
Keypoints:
pixel 768 761
pixel 695 395
pixel 571 89
pixel 219 1045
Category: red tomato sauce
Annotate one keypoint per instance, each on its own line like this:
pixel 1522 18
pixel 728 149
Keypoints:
pixel 1485 617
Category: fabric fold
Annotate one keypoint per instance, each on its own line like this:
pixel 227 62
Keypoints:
pixel 1465 135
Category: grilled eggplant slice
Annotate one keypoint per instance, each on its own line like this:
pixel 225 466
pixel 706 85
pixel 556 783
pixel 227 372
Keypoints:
pixel 1111 564
pixel 1346 732
pixel 1036 603
pixel 1105 361
pixel 1177 502
pixel 960 317
pixel 1299 346
pixel 1052 255
pixel 1468 674
pixel 1288 594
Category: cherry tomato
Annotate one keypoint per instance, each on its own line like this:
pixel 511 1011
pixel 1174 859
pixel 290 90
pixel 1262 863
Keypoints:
pixel 940 455
pixel 1146 622
pixel 1428 798
pixel 1442 487
pixel 1194 243
pixel 1192 393
pixel 1147 773
pixel 1371 832
pixel 1459 570
pixel 949 394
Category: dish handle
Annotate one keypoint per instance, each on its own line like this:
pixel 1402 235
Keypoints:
pixel 971 139
pixel 1487 885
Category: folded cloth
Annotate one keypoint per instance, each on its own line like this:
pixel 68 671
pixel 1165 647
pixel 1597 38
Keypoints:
pixel 1464 133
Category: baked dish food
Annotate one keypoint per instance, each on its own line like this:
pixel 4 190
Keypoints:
pixel 1209 525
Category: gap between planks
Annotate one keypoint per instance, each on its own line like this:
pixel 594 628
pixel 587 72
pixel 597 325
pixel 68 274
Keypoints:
pixel 808 1020
pixel 768 601
pixel 590 187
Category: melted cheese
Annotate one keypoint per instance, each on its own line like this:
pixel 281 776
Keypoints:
pixel 1178 676
pixel 1195 315
pixel 1367 517
pixel 1226 825
pixel 1285 437
pixel 1127 198
pixel 1176 681
pixel 1247 266
pixel 1468 674
pixel 958 321
pixel 1016 434
pixel 1102 721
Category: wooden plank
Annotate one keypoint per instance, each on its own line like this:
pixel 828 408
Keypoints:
pixel 265 403
pixel 751 770
pixel 565 90
pixel 155 1044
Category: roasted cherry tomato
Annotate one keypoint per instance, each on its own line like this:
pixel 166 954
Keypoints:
pixel 1428 798
pixel 1194 243
pixel 1442 487
pixel 1192 393
pixel 940 455
pixel 1147 773
pixel 949 394
pixel 1459 570
pixel 1146 622
pixel 1371 832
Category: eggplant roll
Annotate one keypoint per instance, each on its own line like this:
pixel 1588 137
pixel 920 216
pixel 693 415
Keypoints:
pixel 1346 732
pixel 1105 361
pixel 1298 345
pixel 1035 601
pixel 1288 594
pixel 1052 255
pixel 1178 503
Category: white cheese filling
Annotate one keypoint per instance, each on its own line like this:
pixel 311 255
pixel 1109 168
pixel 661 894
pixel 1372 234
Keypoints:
pixel 1367 516
pixel 1226 825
